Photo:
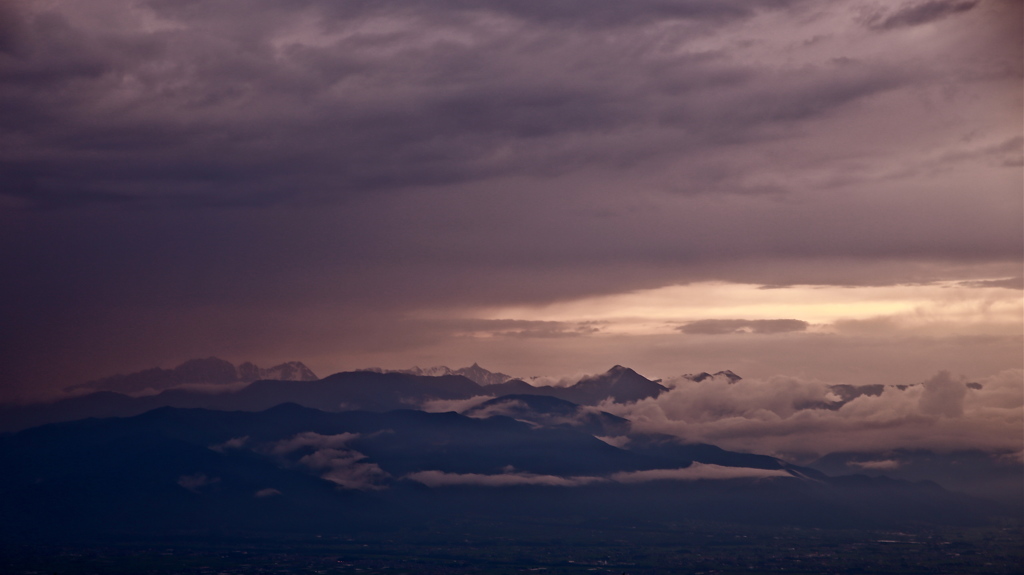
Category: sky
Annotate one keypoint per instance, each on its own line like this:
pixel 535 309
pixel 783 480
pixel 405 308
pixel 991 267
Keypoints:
pixel 795 190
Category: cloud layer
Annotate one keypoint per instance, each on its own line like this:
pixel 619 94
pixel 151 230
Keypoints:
pixel 330 457
pixel 802 420
pixel 695 472
pixel 724 326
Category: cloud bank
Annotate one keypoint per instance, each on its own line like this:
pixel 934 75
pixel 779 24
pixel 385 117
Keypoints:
pixel 695 472
pixel 433 478
pixel 799 419
pixel 760 326
pixel 329 457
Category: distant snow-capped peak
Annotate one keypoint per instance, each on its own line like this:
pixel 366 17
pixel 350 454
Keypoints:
pixel 207 371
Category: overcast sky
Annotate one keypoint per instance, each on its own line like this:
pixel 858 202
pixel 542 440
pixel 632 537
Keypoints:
pixel 823 190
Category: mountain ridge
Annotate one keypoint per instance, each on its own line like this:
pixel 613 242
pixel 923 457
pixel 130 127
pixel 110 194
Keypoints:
pixel 370 390
pixel 210 370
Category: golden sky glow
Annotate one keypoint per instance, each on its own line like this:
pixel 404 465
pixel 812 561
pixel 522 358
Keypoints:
pixel 944 307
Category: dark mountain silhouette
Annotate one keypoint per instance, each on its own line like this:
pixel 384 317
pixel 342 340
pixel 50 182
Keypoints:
pixel 482 376
pixel 353 390
pixel 620 384
pixel 366 390
pixel 726 375
pixel 343 391
pixel 474 373
pixel 552 412
pixel 292 469
pixel 844 394
pixel 998 476
pixel 211 370
pixel 518 386
pixel 666 448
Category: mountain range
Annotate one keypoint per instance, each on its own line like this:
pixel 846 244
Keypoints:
pixel 474 373
pixel 210 370
pixel 293 469
pixel 367 390
pixel 356 451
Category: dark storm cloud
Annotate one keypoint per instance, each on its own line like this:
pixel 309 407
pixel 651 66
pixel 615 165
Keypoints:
pixel 560 13
pixel 727 326
pixel 269 180
pixel 227 104
pixel 921 14
pixel 10 27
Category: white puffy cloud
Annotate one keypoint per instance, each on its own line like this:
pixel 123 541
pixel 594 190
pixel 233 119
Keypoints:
pixel 881 464
pixel 434 478
pixel 346 467
pixel 798 419
pixel 333 460
pixel 233 443
pixel 943 395
pixel 458 405
pixel 312 439
pixel 696 471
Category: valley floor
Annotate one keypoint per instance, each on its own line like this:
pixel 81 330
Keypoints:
pixel 546 549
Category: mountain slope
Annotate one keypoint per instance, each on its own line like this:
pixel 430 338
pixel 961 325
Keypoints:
pixel 619 384
pixel 296 469
pixel 547 411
